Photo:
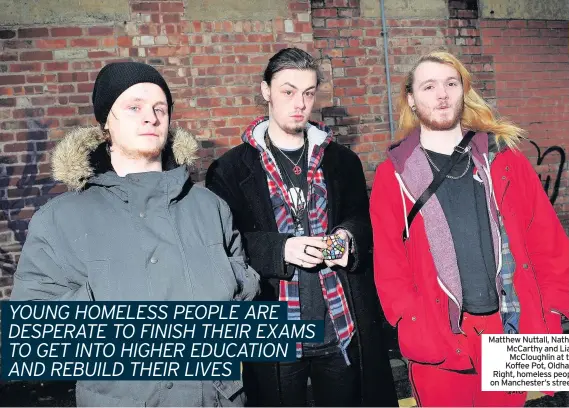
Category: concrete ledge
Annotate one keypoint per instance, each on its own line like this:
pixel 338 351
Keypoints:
pixel 239 10
pixel 405 9
pixel 525 9
pixel 26 12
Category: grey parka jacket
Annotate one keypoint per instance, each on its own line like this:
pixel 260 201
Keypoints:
pixel 148 236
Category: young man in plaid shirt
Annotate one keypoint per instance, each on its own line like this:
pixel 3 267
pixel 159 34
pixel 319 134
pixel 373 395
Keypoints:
pixel 290 186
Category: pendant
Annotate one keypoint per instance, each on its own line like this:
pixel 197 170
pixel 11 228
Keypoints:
pixel 297 170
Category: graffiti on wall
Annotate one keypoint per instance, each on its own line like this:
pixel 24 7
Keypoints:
pixel 26 186
pixel 547 186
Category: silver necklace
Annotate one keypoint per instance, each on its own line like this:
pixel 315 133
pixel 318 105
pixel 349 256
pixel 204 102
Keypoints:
pixel 295 167
pixel 449 176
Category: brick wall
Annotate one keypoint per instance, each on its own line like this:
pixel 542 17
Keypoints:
pixel 531 64
pixel 214 69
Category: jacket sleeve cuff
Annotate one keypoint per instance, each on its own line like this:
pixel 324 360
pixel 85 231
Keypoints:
pixel 283 270
pixel 353 256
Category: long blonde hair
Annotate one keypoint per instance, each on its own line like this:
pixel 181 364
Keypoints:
pixel 477 114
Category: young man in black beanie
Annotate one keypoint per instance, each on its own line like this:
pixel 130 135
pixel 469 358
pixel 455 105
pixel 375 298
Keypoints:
pixel 134 228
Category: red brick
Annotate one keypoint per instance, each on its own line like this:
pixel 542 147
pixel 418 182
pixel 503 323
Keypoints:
pixel 7 137
pixel 28 113
pixel 124 42
pixel 43 101
pixel 51 43
pixel 226 112
pixel 337 3
pixel 172 7
pixel 356 72
pixel 335 23
pixel 8 56
pixel 145 7
pixel 206 60
pixel 7 102
pixel 32 32
pixel 84 42
pixel 85 110
pixel 343 62
pixel 101 54
pixel 18 44
pixel 36 66
pixel 79 99
pixel 66 32
pixel 327 12
pixel 537 24
pixel 228 131
pixel 299 7
pixel 325 32
pixel 40 79
pixel 170 28
pixel 12 79
pixel 36 55
pixel 171 19
pixel 194 114
pixel 73 77
pixel 355 91
pixel 85 87
pixel 68 88
pixel 258 38
pixel 239 121
pixel 354 52
pixel 61 111
pixel 15 148
pixel 100 31
pixel 108 42
pixel 249 48
pixel 517 24
pixel 56 66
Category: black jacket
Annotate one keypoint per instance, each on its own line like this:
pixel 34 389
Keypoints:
pixel 238 178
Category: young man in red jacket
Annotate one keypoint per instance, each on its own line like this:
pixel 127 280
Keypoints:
pixel 486 253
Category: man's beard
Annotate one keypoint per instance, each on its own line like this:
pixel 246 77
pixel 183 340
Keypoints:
pixel 293 130
pixel 148 154
pixel 440 125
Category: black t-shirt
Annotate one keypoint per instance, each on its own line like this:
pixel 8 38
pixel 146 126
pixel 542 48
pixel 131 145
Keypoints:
pixel 312 303
pixel 464 204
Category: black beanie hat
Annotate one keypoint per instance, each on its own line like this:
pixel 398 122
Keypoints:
pixel 117 77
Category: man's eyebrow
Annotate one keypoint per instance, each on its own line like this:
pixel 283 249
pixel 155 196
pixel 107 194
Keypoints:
pixel 289 84
pixel 144 100
pixel 433 80
pixel 292 86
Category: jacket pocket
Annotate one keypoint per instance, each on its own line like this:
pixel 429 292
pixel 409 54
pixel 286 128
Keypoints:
pixel 224 269
pixel 247 278
pixel 98 283
pixel 553 322
pixel 419 338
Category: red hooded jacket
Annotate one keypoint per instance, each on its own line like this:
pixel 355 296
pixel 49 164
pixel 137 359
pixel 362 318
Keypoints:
pixel 416 280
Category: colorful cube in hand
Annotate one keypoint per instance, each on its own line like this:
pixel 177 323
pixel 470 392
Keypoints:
pixel 336 247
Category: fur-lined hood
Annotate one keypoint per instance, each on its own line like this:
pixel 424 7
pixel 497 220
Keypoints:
pixel 81 154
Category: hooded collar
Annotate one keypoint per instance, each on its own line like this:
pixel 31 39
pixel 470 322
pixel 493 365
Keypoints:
pixel 318 134
pixel 80 158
